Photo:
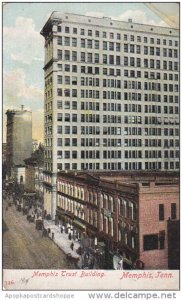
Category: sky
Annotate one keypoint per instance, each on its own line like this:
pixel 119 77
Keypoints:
pixel 23 48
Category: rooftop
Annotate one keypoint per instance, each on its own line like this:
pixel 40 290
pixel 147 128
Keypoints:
pixel 59 18
pixel 127 179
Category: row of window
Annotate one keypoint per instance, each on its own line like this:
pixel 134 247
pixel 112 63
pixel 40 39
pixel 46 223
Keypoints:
pixel 137 165
pixel 95 142
pixel 96 130
pixel 118 36
pixel 117 142
pixel 89 81
pixel 116 60
pixel 165 52
pixel 115 72
pixel 117 95
pixel 95 106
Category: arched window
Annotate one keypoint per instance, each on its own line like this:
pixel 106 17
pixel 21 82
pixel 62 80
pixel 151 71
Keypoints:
pixel 111 203
pixel 112 229
pixel 102 222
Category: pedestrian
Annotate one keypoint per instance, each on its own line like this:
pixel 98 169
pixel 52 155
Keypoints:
pixel 72 246
pixel 120 264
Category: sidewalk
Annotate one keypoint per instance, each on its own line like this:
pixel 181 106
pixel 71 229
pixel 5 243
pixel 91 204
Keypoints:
pixel 62 241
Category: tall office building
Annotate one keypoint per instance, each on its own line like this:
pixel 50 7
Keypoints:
pixel 19 137
pixel 111 96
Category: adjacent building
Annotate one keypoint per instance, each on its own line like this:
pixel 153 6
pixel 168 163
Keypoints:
pixel 19 137
pixel 34 172
pixel 111 97
pixel 133 213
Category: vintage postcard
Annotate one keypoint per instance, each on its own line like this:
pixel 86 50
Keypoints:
pixel 90 150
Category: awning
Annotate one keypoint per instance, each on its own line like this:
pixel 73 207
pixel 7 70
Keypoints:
pixel 79 224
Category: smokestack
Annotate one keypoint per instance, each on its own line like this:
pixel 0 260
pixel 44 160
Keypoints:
pixel 22 107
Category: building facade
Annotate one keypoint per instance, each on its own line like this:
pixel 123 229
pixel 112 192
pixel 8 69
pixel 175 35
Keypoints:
pixel 127 211
pixel 18 174
pixel 4 153
pixel 111 96
pixel 19 137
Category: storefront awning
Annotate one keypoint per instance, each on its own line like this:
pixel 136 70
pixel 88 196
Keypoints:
pixel 79 224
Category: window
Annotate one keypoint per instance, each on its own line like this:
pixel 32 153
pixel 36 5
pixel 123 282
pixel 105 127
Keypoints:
pixel 96 44
pixel 67 129
pixel 59 28
pixel 89 44
pixel 173 211
pixel 74 56
pixel 67 154
pixel 75 30
pixel 96 58
pixel 59 117
pixel 59 92
pixel 150 242
pixel 67 105
pixel 74 154
pixel 67 80
pixel 59 104
pixel 74 93
pixel 74 142
pixel 138 51
pixel 118 48
pixel 118 36
pixel 125 47
pixel 67 29
pixel 67 68
pixel 59 142
pixel 161 212
pixel 59 130
pixel 67 55
pixel 59 40
pixel 74 105
pixel 82 43
pixel 83 56
pixel 111 35
pixel 59 79
pixel 74 42
pixel 67 41
pixel 82 31
pixel 111 46
pixel 74 130
pixel 132 48
pixel 89 57
pixel 125 61
pixel 89 32
pixel 59 54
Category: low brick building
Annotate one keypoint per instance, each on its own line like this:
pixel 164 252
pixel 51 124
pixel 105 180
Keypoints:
pixel 126 211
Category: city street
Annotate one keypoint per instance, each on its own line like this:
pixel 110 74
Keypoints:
pixel 25 248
